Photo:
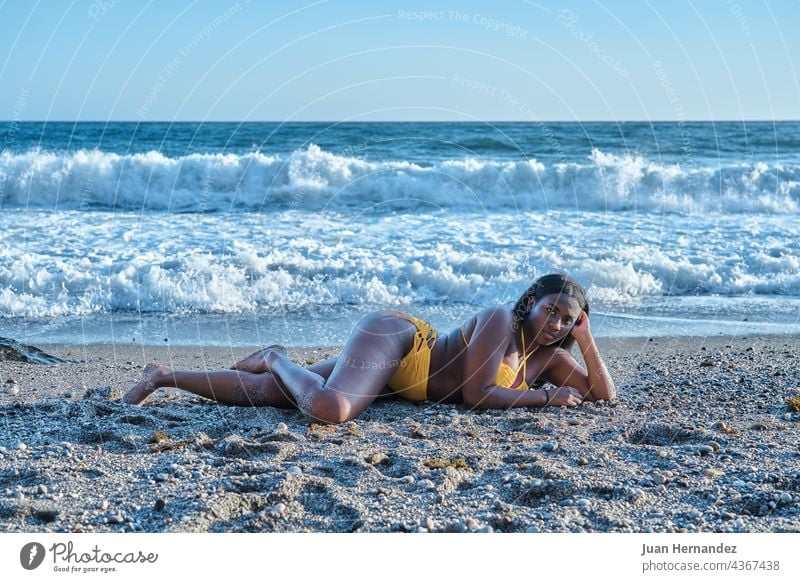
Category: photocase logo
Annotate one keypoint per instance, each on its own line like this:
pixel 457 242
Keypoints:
pixel 31 556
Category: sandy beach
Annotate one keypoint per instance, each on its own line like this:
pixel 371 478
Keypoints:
pixel 701 439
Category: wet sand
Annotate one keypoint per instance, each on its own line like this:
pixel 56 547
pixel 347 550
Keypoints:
pixel 701 439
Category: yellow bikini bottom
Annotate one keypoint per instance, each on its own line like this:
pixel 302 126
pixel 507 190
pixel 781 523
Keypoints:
pixel 410 380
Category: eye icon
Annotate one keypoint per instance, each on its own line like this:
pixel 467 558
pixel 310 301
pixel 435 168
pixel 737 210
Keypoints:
pixel 31 556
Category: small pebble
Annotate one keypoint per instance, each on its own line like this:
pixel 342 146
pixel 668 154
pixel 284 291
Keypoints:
pixel 429 524
pixel 103 505
pixel 278 508
pixel 22 447
pixel 407 480
pixel 426 484
pixel 533 529
pixel 550 446
pixel 161 477
pixel 281 427
pixel 583 461
pixel 13 391
pixel 785 498
pixel 159 505
pixel 294 470
pixel 377 458
pixel 41 489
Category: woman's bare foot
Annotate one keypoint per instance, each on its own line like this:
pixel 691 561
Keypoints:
pixel 255 363
pixel 270 352
pixel 152 376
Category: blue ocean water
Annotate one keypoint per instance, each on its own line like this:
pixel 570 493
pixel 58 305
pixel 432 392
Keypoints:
pixel 244 233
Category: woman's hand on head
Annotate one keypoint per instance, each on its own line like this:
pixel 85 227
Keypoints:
pixel 581 330
pixel 564 396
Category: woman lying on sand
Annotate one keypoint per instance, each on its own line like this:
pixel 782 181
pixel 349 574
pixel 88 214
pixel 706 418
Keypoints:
pixel 490 362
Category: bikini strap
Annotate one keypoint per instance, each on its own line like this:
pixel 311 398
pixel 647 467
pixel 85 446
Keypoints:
pixel 525 358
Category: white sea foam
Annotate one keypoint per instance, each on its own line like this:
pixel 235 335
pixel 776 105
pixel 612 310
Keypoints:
pixel 315 179
pixel 80 263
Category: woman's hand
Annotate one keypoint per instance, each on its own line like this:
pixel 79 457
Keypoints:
pixel 563 396
pixel 581 330
pixel 594 382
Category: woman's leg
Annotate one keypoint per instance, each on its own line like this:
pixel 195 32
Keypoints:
pixel 368 360
pixel 224 386
pixel 254 362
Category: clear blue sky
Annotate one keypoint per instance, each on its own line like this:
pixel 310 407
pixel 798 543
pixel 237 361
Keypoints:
pixel 406 60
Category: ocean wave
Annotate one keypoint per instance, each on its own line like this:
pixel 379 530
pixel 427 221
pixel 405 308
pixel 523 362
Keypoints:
pixel 153 270
pixel 314 179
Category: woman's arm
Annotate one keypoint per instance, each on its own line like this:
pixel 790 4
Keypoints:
pixel 499 397
pixel 594 383
pixel 485 351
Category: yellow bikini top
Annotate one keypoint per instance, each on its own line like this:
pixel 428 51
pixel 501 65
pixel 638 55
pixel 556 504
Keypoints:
pixel 506 375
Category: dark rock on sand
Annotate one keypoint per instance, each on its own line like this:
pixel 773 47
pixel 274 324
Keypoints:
pixel 12 350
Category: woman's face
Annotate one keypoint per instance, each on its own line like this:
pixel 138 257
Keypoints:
pixel 553 316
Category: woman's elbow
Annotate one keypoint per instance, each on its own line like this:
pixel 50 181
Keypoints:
pixel 473 397
pixel 607 393
pixel 611 390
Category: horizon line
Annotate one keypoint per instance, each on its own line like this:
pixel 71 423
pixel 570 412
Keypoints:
pixel 488 121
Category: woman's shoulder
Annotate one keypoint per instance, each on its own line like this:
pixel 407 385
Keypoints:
pixel 492 316
pixel 498 313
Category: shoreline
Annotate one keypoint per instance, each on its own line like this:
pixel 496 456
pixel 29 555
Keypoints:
pixel 699 440
pixel 631 339
pixel 331 326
